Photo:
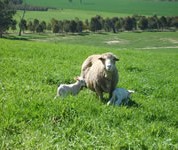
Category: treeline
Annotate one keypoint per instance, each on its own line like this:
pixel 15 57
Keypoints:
pixel 30 8
pixel 98 23
pixel 18 5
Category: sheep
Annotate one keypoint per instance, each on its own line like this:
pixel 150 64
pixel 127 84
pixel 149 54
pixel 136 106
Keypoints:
pixel 119 96
pixel 70 89
pixel 100 73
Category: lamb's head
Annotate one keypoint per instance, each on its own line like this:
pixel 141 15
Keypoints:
pixel 109 59
pixel 81 81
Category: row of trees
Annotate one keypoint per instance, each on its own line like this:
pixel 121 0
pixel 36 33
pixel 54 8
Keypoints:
pixel 98 23
pixel 30 8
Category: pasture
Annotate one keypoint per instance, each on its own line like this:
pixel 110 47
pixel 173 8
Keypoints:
pixel 64 14
pixel 31 119
pixel 154 41
pixel 139 7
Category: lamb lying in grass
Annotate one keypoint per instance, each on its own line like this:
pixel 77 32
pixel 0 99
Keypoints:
pixel 70 89
pixel 119 96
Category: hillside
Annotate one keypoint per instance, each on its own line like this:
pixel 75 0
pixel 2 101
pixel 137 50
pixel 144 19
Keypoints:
pixel 140 7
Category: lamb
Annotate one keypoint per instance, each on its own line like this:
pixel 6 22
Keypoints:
pixel 100 73
pixel 73 89
pixel 119 96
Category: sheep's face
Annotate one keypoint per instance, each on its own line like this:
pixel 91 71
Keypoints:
pixel 109 62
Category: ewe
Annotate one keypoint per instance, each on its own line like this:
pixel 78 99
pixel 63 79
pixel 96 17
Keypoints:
pixel 73 89
pixel 100 73
pixel 119 96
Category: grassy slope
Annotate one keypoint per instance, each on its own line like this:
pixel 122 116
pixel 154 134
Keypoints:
pixel 64 14
pixel 31 119
pixel 143 7
pixel 125 40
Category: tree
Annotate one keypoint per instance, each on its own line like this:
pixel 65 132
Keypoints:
pixel 143 23
pixel 6 16
pixel 128 23
pixel 153 22
pixel 119 24
pixel 35 24
pixel 55 28
pixel 79 27
pixel 49 26
pixel 66 26
pixel 23 25
pixel 16 2
pixel 96 23
pixel 107 25
pixel 40 28
pixel 43 23
pixel 163 22
pixel 175 22
pixel 13 25
pixel 30 26
pixel 22 18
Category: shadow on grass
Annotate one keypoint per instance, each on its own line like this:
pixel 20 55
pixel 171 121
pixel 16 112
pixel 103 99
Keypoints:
pixel 12 37
pixel 132 103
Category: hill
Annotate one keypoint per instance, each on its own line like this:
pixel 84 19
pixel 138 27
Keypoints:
pixel 139 7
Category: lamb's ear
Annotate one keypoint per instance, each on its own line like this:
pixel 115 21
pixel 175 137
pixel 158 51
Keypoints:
pixel 75 78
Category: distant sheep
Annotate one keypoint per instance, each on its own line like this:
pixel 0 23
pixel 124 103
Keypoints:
pixel 100 73
pixel 70 89
pixel 119 96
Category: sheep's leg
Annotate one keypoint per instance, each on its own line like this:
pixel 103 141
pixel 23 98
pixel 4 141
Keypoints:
pixel 100 94
pixel 110 94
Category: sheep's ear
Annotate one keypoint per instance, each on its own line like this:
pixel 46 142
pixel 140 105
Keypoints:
pixel 101 58
pixel 115 58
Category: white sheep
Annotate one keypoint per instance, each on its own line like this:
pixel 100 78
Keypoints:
pixel 100 73
pixel 119 96
pixel 70 89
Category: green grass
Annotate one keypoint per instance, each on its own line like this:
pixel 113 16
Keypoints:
pixel 31 119
pixel 64 14
pixel 140 7
pixel 124 40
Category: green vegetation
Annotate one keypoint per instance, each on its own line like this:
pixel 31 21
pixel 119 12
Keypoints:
pixel 124 40
pixel 31 119
pixel 33 65
pixel 139 7
pixel 64 14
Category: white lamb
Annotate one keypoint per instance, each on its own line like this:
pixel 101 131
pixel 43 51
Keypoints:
pixel 119 96
pixel 70 89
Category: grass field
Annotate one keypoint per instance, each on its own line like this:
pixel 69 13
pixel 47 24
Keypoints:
pixel 31 119
pixel 64 14
pixel 140 7
pixel 122 40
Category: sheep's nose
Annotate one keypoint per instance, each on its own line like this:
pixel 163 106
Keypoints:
pixel 108 67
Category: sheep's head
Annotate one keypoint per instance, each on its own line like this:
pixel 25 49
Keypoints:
pixel 109 59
